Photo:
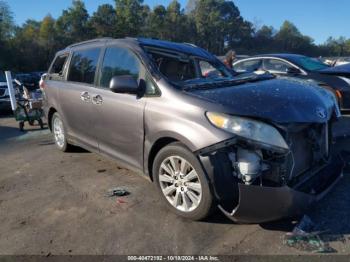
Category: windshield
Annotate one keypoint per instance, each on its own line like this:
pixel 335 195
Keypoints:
pixel 310 64
pixel 180 68
pixel 2 77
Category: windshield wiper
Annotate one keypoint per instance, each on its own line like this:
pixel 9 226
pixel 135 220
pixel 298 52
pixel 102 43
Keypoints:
pixel 229 82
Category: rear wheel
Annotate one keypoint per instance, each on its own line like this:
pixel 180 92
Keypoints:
pixel 182 182
pixel 21 125
pixel 59 133
pixel 41 123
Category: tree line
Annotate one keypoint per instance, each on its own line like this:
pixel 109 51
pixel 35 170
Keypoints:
pixel 215 25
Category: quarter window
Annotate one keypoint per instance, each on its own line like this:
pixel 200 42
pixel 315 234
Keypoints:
pixel 83 65
pixel 118 61
pixel 58 66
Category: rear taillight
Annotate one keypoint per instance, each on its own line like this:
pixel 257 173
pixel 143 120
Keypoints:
pixel 339 95
pixel 42 84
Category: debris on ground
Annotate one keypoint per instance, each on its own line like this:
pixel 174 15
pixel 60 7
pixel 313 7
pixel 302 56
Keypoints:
pixel 121 200
pixel 304 227
pixel 101 170
pixel 305 238
pixel 117 192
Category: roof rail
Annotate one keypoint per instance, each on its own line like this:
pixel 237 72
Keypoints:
pixel 91 41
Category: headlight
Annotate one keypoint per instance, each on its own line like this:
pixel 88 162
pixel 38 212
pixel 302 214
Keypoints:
pixel 249 129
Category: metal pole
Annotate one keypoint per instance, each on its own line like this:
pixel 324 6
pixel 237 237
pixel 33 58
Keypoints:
pixel 11 91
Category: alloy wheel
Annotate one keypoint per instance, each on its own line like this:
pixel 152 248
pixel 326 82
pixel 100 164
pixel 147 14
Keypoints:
pixel 180 183
pixel 58 132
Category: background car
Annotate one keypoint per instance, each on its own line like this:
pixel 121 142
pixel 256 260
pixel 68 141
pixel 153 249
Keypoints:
pixel 30 80
pixel 342 61
pixel 302 67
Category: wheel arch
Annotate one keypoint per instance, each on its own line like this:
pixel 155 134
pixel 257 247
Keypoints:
pixel 157 145
pixel 50 114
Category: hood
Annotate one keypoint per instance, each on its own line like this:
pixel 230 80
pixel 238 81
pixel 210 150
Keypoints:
pixel 343 70
pixel 280 100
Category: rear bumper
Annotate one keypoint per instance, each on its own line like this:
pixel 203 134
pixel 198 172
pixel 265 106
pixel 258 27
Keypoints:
pixel 258 204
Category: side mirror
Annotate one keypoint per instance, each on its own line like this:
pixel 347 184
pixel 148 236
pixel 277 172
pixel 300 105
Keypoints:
pixel 124 84
pixel 293 71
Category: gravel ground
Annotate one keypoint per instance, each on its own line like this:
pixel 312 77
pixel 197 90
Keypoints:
pixel 55 203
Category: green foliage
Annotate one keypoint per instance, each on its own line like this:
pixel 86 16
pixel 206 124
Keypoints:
pixel 6 21
pixel 103 21
pixel 72 25
pixel 131 15
pixel 156 25
pixel 215 25
pixel 6 31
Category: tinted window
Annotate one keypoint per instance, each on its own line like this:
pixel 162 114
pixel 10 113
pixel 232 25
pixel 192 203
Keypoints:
pixel 310 64
pixel 275 65
pixel 83 66
pixel 118 61
pixel 248 66
pixel 57 68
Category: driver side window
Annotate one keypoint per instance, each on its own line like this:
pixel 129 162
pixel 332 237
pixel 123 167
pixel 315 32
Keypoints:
pixel 118 61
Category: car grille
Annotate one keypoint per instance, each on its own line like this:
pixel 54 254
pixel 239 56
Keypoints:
pixel 309 147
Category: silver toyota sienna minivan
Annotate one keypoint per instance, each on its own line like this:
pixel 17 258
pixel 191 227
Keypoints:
pixel 257 146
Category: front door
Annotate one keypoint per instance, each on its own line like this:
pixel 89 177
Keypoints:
pixel 119 117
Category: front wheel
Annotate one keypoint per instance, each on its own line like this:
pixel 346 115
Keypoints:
pixel 182 182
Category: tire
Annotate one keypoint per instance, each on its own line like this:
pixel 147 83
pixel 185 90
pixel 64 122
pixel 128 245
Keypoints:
pixel 59 133
pixel 184 197
pixel 21 126
pixel 41 123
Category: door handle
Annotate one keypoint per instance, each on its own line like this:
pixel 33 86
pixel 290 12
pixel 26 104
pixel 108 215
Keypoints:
pixel 97 100
pixel 84 96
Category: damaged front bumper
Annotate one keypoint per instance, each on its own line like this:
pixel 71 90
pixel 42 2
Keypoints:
pixel 258 204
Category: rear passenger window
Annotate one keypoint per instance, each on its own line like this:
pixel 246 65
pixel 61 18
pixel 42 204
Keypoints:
pixel 83 65
pixel 118 61
pixel 57 68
